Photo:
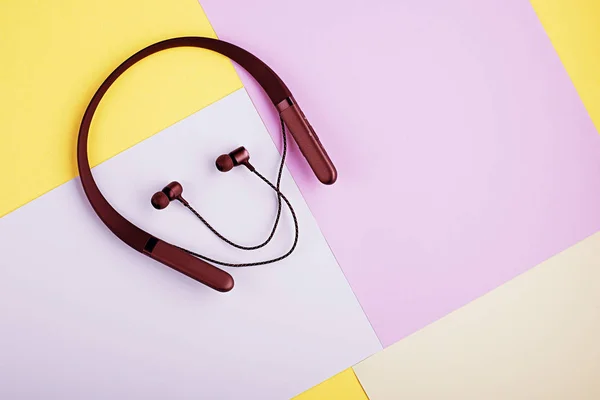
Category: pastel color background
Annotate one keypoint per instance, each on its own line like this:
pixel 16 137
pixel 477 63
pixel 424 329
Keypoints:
pixel 464 136
pixel 344 385
pixel 534 338
pixel 89 318
pixel 573 28
pixel 465 154
pixel 56 54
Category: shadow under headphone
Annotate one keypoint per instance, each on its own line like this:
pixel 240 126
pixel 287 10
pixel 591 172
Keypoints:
pixel 187 262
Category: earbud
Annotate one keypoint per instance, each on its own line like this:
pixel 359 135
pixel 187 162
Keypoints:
pixel 239 156
pixel 224 163
pixel 172 191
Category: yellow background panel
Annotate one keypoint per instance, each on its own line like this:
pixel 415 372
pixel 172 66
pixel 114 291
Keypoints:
pixel 536 337
pixel 574 29
pixel 343 386
pixel 55 54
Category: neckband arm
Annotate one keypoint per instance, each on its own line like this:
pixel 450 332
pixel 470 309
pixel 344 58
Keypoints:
pixel 146 243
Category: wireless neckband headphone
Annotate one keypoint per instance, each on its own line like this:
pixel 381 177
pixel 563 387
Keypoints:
pixel 189 263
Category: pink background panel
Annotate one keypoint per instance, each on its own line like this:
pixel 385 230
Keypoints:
pixel 465 156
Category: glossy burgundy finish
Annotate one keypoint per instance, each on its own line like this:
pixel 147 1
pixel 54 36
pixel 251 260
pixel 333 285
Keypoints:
pixel 239 156
pixel 173 191
pixel 308 141
pixel 224 163
pixel 160 200
pixel 146 243
pixel 187 264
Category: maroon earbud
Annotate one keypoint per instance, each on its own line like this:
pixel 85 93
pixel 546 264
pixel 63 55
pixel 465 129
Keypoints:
pixel 172 191
pixel 239 156
pixel 224 163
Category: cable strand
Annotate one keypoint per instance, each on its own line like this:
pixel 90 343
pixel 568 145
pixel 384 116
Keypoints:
pixel 280 196
pixel 269 261
pixel 275 224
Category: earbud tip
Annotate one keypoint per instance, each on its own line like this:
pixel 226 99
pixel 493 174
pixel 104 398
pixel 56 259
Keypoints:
pixel 159 200
pixel 224 163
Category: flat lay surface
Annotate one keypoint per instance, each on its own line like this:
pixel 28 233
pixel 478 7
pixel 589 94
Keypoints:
pixel 573 28
pixel 344 385
pixel 535 337
pixel 456 256
pixel 60 52
pixel 465 154
pixel 88 301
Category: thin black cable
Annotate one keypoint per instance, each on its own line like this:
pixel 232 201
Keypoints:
pixel 279 174
pixel 279 197
pixel 252 264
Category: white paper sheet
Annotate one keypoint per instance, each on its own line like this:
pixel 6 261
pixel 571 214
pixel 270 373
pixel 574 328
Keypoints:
pixel 84 316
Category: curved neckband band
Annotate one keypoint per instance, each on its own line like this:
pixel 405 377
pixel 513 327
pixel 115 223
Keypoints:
pixel 146 243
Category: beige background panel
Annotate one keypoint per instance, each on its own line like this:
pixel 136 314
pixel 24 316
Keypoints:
pixel 536 337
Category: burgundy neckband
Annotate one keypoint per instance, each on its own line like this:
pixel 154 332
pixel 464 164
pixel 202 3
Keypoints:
pixel 166 253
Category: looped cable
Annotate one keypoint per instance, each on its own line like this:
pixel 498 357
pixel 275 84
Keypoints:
pixel 280 196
